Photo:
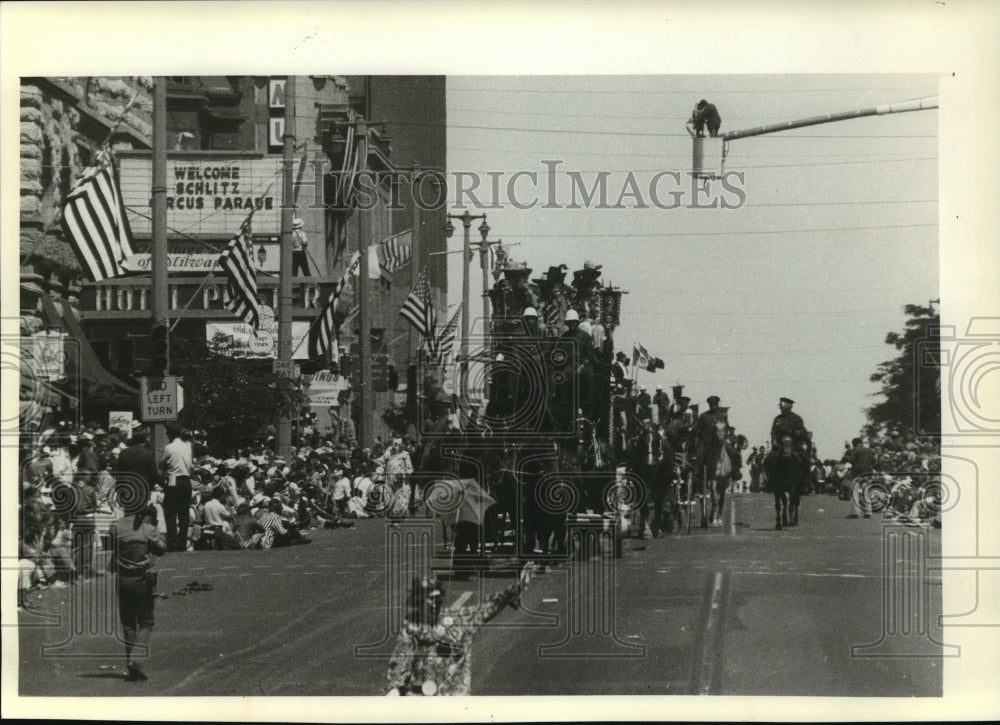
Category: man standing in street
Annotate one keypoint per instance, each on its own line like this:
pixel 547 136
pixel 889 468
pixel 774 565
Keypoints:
pixel 176 464
pixel 136 468
pixel 133 563
pixel 862 460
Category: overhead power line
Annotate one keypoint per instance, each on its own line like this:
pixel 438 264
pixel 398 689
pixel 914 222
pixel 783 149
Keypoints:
pixel 610 235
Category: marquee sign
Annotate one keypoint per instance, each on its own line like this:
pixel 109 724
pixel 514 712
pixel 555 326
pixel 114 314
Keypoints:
pixel 207 195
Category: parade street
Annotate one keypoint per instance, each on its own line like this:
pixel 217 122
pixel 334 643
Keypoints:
pixel 740 609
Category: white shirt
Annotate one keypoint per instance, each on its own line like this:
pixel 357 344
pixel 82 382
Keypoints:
pixel 342 489
pixel 215 513
pixel 362 484
pixel 177 460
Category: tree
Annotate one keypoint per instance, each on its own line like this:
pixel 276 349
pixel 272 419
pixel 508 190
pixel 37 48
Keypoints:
pixel 911 382
pixel 233 400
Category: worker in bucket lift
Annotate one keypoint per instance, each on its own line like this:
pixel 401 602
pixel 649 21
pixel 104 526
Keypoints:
pixel 704 114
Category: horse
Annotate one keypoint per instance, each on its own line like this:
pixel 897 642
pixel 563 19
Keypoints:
pixel 717 469
pixel 651 460
pixel 787 476
pixel 596 459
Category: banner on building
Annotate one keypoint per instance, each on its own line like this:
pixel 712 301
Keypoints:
pixel 325 389
pixel 239 340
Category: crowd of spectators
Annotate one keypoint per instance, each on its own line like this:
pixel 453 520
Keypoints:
pixel 897 476
pixel 76 482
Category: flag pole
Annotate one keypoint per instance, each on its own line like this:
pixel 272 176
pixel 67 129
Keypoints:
pixel 364 312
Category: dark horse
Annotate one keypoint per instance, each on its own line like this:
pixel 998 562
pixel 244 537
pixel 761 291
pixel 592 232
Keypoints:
pixel 787 477
pixel 651 460
pixel 596 462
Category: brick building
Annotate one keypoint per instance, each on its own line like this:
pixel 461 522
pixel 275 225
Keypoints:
pixel 224 153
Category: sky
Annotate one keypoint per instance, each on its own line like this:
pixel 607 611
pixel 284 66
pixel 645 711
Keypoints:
pixel 791 294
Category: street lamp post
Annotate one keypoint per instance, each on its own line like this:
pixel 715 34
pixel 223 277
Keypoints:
pixel 449 229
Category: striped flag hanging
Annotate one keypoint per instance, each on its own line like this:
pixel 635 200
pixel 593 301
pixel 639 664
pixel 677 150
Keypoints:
pixel 241 289
pixel 323 337
pixel 395 252
pixel 418 310
pixel 94 222
pixel 439 347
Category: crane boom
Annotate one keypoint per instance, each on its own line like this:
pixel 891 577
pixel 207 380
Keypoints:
pixel 918 104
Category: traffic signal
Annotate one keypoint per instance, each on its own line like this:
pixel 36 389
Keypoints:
pixel 159 347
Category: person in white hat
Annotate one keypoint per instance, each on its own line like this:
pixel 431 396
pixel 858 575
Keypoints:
pixel 530 316
pixel 300 257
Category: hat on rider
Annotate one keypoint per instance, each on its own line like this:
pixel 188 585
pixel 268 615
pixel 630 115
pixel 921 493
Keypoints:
pixel 530 312
pixel 678 390
pixel 787 400
pixel 659 387
pixel 572 316
pixel 713 399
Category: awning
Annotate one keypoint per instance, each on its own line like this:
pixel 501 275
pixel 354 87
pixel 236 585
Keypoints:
pixel 98 386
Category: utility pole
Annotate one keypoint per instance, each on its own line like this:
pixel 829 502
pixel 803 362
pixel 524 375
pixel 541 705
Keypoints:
pixel 285 271
pixel 365 398
pixel 159 259
pixel 484 257
pixel 414 243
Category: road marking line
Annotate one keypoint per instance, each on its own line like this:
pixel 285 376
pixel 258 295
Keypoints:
pixel 711 633
pixel 549 600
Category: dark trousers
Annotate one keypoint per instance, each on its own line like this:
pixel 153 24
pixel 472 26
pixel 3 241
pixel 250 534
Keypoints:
pixel 83 546
pixel 177 511
pixel 300 261
pixel 135 611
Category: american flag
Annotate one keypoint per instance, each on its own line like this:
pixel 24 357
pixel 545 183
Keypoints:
pixel 395 252
pixel 439 347
pixel 322 337
pixel 93 220
pixel 418 310
pixel 241 290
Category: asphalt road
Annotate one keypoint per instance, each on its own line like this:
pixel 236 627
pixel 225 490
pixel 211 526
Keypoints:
pixel 736 610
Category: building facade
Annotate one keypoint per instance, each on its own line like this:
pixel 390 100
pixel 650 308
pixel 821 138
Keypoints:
pixel 225 137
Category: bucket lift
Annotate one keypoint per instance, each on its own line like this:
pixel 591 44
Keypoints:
pixel 709 153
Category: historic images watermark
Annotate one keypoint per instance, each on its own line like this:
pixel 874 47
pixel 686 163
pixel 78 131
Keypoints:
pixel 953 397
pixel 956 380
pixel 549 187
pixel 46 364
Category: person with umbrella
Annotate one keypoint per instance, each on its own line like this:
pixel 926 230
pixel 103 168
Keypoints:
pixel 462 504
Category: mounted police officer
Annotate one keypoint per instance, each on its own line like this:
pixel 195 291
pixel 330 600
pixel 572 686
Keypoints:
pixel 786 423
pixel 705 430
